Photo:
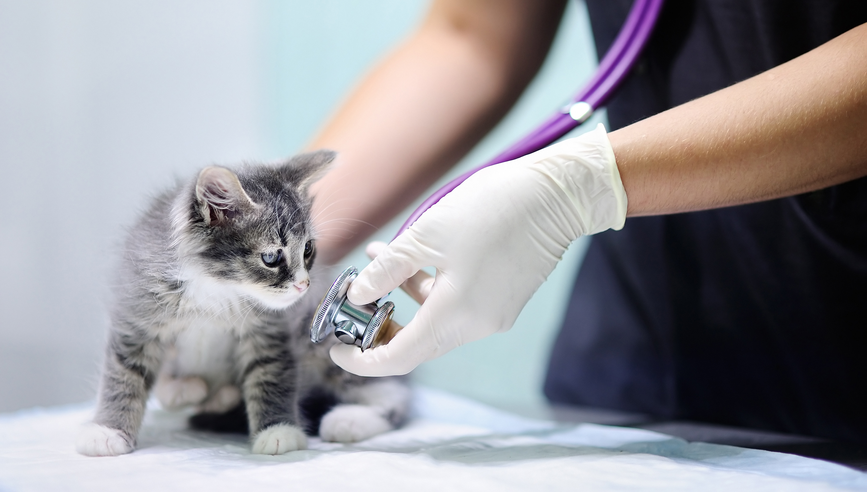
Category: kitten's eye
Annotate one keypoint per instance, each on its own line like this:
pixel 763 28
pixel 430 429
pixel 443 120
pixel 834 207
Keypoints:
pixel 308 249
pixel 272 258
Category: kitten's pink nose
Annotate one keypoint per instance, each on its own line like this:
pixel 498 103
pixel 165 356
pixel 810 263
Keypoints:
pixel 302 285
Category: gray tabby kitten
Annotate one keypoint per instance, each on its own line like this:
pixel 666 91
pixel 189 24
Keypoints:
pixel 211 307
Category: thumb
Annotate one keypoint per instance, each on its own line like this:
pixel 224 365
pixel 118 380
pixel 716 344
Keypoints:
pixel 392 266
pixel 374 248
pixel 417 286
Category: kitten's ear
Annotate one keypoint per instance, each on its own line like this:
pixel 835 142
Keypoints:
pixel 220 195
pixel 305 169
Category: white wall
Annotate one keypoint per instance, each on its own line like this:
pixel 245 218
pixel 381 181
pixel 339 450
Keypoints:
pixel 102 103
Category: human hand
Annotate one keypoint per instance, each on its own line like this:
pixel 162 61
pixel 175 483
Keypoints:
pixel 493 241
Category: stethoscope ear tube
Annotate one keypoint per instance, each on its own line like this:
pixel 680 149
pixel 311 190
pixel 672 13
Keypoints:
pixel 371 325
pixel 612 70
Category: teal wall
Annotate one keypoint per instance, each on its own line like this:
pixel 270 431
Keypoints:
pixel 307 82
pixel 314 52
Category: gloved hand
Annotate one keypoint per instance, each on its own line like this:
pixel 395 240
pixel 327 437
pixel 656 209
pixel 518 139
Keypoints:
pixel 493 241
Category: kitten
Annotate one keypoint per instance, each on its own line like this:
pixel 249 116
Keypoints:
pixel 211 306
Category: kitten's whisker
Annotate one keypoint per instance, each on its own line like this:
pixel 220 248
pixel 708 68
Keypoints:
pixel 333 204
pixel 347 219
pixel 247 312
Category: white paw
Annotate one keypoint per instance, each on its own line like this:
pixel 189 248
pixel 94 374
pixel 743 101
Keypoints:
pixel 279 439
pixel 175 393
pixel 98 440
pixel 226 398
pixel 352 423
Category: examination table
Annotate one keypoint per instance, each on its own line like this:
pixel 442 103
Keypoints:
pixel 451 443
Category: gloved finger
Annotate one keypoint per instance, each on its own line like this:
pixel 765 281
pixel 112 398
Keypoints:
pixel 395 263
pixel 374 248
pixel 398 357
pixel 430 334
pixel 418 286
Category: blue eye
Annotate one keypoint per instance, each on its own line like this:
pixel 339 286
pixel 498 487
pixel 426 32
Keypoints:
pixel 272 258
pixel 309 249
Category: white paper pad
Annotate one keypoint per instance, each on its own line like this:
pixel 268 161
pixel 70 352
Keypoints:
pixel 451 444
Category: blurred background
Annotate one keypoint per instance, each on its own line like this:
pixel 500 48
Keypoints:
pixel 104 103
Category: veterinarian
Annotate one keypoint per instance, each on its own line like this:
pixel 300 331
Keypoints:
pixel 738 150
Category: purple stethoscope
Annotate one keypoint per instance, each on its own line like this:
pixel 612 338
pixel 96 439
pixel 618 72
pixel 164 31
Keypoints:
pixel 370 325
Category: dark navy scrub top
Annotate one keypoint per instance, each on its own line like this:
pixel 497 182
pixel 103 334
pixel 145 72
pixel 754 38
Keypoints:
pixel 752 315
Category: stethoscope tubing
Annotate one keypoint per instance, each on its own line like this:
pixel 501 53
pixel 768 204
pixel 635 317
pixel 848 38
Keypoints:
pixel 336 314
pixel 612 71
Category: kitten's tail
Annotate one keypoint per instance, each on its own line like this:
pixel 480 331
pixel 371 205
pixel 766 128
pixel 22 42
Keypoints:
pixel 232 422
pixel 313 406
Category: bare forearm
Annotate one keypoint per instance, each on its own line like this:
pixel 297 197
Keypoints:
pixel 423 108
pixel 799 127
pixel 396 135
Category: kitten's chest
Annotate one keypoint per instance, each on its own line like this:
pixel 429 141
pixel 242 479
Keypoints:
pixel 204 347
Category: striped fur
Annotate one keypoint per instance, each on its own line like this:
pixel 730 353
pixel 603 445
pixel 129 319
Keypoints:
pixel 214 296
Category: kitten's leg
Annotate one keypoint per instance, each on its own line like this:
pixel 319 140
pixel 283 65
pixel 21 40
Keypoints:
pixel 131 365
pixel 224 399
pixel 268 387
pixel 175 393
pixel 370 408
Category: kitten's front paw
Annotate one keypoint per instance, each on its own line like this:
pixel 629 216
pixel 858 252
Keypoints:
pixel 279 439
pixel 352 423
pixel 175 393
pixel 98 440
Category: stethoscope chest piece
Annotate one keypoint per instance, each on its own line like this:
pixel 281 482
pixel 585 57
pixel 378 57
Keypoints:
pixel 364 326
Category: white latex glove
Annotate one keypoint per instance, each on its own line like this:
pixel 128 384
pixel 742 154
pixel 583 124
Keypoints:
pixel 493 241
